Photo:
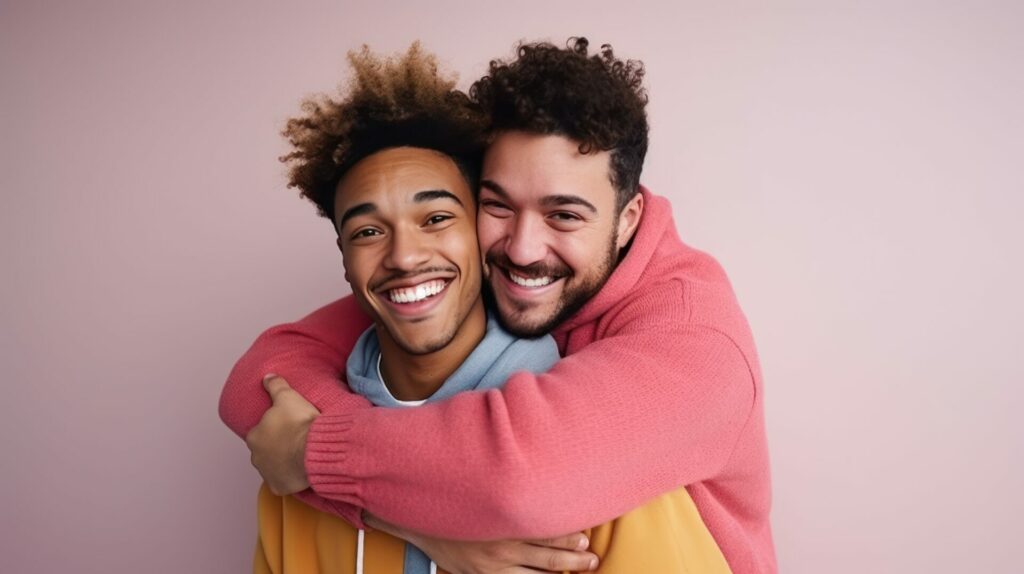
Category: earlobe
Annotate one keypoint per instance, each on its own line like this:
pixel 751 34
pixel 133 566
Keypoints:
pixel 629 219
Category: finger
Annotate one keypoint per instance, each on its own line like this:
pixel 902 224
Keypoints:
pixel 274 385
pixel 558 560
pixel 574 541
pixel 254 435
pixel 275 489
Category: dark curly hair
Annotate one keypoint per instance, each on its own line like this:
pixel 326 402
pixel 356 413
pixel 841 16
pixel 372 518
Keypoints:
pixel 596 100
pixel 390 102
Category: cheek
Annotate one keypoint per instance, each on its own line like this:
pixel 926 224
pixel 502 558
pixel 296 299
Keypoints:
pixel 460 247
pixel 490 230
pixel 359 269
pixel 577 251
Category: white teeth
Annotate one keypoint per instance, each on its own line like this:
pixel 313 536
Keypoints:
pixel 417 292
pixel 538 282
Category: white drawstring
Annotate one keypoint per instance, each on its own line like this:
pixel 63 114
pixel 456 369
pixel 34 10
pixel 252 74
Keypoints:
pixel 360 540
pixel 360 537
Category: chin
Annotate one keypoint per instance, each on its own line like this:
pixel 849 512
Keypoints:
pixel 427 347
pixel 526 327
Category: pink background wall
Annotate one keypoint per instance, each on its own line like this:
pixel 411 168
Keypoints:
pixel 856 168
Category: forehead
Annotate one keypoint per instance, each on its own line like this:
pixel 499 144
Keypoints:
pixel 528 167
pixel 394 176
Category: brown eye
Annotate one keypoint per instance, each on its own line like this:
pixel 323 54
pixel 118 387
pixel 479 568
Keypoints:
pixel 365 232
pixel 495 208
pixel 435 219
pixel 565 220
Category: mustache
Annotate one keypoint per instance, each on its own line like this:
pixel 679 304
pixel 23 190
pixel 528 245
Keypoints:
pixel 408 274
pixel 531 271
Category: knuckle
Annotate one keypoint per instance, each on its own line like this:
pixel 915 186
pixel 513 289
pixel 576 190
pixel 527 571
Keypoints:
pixel 554 561
pixel 499 551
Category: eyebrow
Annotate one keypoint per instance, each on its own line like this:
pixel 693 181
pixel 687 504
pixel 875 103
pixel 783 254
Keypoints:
pixel 547 200
pixel 355 211
pixel 556 200
pixel 420 197
pixel 488 184
pixel 432 194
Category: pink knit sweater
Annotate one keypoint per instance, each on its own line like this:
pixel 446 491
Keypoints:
pixel 660 387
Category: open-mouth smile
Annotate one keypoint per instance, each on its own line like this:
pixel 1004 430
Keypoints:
pixel 529 282
pixel 416 293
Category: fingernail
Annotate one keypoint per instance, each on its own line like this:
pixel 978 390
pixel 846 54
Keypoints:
pixel 583 543
pixel 593 563
pixel 268 376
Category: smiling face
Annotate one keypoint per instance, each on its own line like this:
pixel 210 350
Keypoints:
pixel 548 228
pixel 407 230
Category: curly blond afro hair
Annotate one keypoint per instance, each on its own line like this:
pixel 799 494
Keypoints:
pixel 389 102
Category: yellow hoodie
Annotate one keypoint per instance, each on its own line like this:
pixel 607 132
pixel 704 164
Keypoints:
pixel 665 536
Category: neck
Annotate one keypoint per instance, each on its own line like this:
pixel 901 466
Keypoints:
pixel 412 377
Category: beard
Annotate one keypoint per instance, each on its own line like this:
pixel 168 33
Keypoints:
pixel 577 291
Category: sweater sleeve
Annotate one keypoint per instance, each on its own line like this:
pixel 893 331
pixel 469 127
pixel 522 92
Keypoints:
pixel 652 405
pixel 310 355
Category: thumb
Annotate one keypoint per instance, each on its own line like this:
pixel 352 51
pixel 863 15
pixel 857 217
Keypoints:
pixel 275 385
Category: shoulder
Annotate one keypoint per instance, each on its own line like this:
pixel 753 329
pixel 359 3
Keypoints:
pixel 692 279
pixel 682 290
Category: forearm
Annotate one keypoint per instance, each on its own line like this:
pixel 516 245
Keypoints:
pixel 310 354
pixel 502 464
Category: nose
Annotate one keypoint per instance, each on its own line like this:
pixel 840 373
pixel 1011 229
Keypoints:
pixel 408 250
pixel 526 241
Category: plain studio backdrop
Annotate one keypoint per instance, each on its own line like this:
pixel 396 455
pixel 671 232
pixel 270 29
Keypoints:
pixel 855 166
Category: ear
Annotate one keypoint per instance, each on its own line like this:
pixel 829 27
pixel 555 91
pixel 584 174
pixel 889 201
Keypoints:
pixel 629 220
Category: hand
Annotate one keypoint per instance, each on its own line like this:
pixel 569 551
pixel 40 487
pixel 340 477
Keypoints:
pixel 278 442
pixel 562 553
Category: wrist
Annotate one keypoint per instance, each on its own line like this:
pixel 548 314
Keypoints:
pixel 298 459
pixel 377 524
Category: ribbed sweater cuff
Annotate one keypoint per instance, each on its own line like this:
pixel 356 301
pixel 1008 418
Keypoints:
pixel 327 448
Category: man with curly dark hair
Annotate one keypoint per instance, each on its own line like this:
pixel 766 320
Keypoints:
pixel 594 108
pixel 659 387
